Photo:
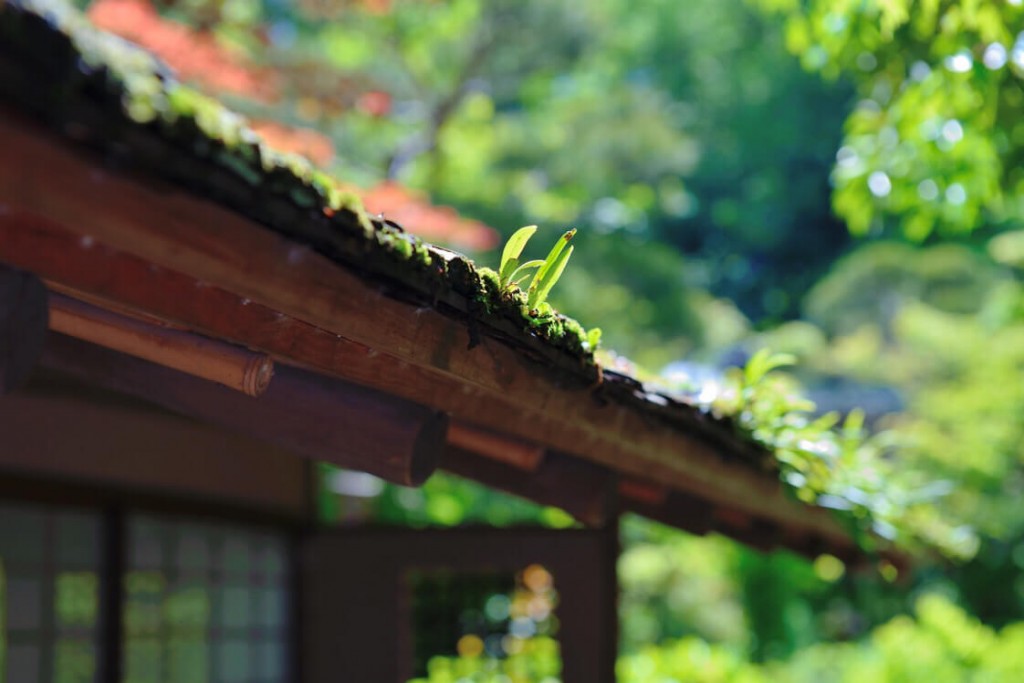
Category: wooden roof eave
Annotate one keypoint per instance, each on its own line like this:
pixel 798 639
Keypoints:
pixel 134 244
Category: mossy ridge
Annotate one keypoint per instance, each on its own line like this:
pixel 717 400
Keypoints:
pixel 134 90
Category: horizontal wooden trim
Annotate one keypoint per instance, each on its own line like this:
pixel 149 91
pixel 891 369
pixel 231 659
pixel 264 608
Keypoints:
pixel 65 436
pixel 584 490
pixel 515 452
pixel 643 491
pixel 225 364
pixel 149 247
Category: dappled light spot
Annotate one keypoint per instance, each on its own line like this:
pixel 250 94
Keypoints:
pixel 847 157
pixel 470 646
pixel 866 61
pixel 1017 54
pixel 537 578
pixel 919 71
pixel 956 194
pixel 493 622
pixel 995 56
pixel 879 184
pixel 952 131
pixel 928 190
pixel 960 63
pixel 829 568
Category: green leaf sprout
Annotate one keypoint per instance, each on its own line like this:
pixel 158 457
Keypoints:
pixel 550 271
pixel 547 272
pixel 511 272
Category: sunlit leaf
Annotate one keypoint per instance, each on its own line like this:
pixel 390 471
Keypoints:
pixel 552 269
pixel 513 248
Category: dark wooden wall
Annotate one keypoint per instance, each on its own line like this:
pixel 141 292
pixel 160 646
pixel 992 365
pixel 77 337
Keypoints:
pixel 354 614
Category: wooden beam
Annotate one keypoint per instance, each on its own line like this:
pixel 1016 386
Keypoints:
pixel 62 435
pixel 694 515
pixel 519 454
pixel 581 488
pixel 298 306
pixel 643 491
pixel 311 415
pixel 225 364
pixel 682 511
pixel 23 317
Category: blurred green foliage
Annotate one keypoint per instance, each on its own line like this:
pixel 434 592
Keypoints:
pixel 935 141
pixel 960 370
pixel 940 642
pixel 443 501
pixel 874 283
pixel 537 662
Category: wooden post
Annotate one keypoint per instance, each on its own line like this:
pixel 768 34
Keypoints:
pixel 309 414
pixel 23 319
pixel 589 613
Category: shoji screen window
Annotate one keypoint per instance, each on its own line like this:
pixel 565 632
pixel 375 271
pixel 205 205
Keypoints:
pixel 204 603
pixel 49 594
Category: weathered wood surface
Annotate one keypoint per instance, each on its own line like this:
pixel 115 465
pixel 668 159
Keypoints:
pixel 312 415
pixel 584 490
pixel 226 364
pixel 522 455
pixel 23 315
pixel 61 434
pixel 190 262
pixel 365 635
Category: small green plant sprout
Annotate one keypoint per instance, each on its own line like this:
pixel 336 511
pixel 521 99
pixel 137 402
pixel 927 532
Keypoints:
pixel 546 272
pixel 551 270
pixel 511 273
pixel 763 362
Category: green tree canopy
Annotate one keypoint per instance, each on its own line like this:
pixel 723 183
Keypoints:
pixel 936 140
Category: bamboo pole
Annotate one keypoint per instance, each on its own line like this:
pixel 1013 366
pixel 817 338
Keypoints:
pixel 515 452
pixel 225 364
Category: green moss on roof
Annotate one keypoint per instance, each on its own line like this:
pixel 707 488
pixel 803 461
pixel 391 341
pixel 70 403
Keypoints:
pixel 134 92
